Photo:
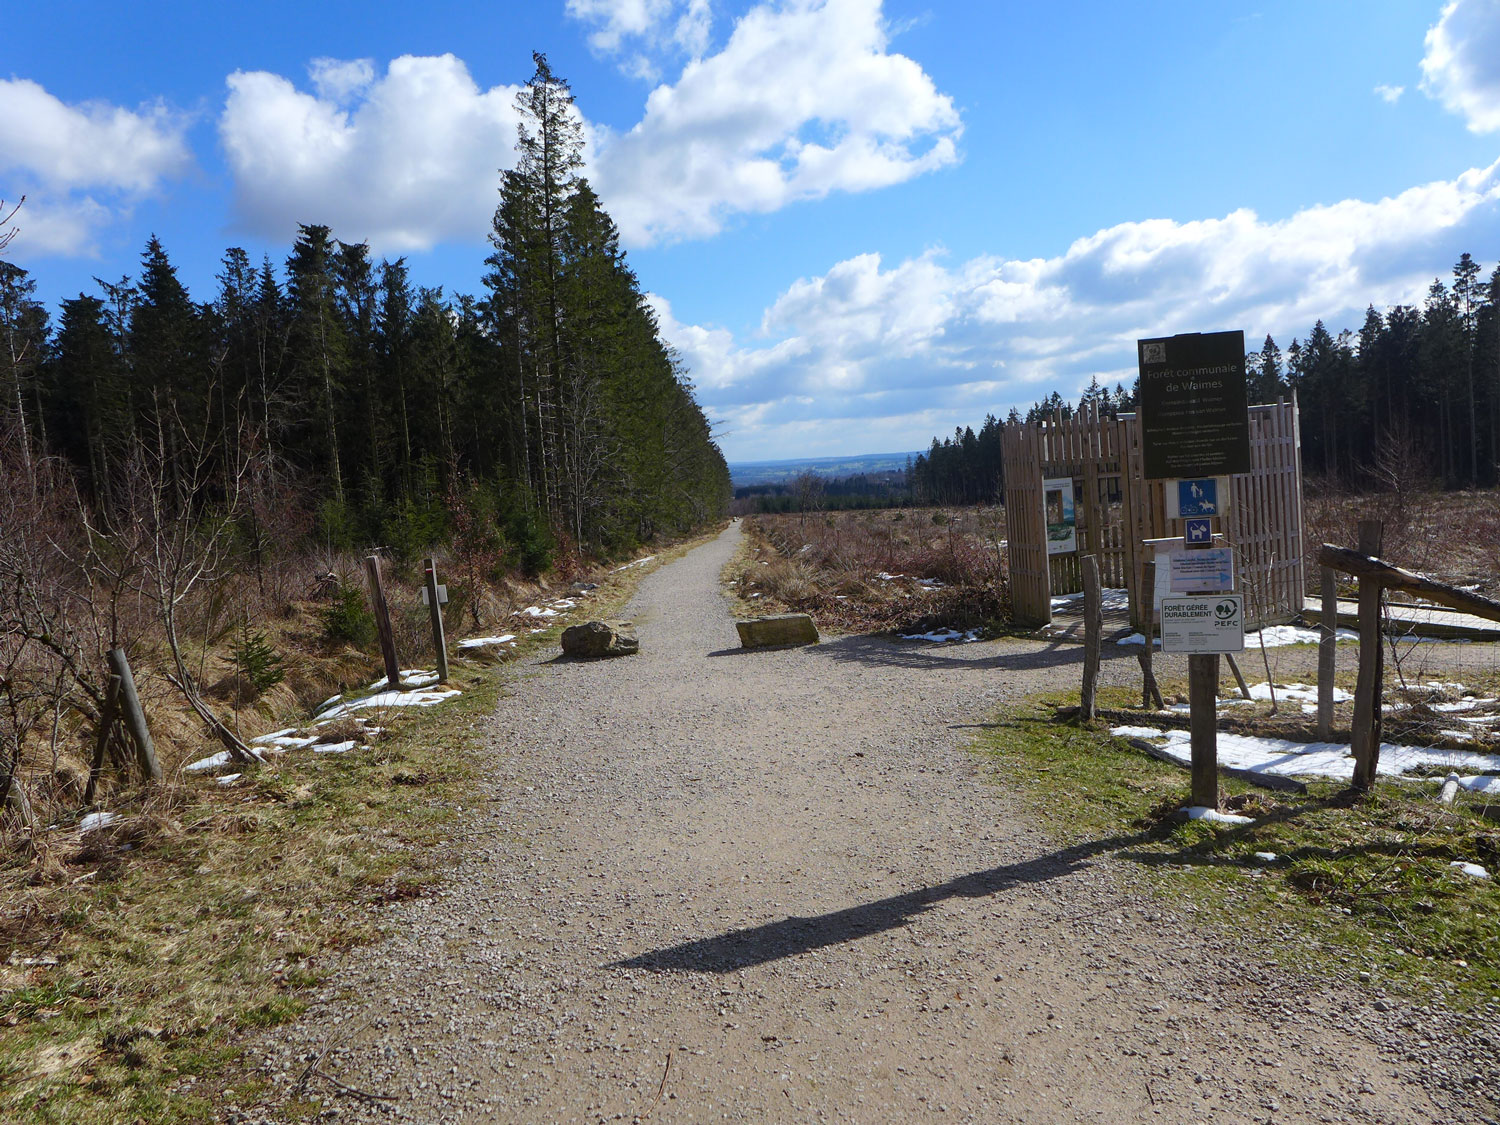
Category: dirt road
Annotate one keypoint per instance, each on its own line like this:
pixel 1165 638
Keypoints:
pixel 710 885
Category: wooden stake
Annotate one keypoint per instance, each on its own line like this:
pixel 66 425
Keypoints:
pixel 107 719
pixel 1327 647
pixel 135 718
pixel 1367 694
pixel 439 642
pixel 1239 677
pixel 1150 692
pixel 1093 632
pixel 1203 718
pixel 383 621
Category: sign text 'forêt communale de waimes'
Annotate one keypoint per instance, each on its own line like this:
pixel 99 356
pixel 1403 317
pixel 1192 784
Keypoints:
pixel 1194 411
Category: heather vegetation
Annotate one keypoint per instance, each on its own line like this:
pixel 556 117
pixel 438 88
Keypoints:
pixel 910 570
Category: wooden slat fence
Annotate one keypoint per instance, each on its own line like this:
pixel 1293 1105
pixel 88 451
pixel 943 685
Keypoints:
pixel 1117 509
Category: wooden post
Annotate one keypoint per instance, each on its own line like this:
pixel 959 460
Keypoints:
pixel 107 719
pixel 135 717
pixel 1327 648
pixel 1149 690
pixel 1203 719
pixel 15 800
pixel 1093 633
pixel 383 621
pixel 1367 694
pixel 1239 677
pixel 439 642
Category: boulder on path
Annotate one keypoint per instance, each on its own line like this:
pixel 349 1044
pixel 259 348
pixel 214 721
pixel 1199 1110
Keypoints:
pixel 595 639
pixel 782 629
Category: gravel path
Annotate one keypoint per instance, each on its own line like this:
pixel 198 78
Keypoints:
pixel 710 885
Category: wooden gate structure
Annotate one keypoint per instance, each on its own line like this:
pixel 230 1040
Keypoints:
pixel 1117 509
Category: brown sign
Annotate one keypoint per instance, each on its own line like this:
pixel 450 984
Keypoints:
pixel 1195 419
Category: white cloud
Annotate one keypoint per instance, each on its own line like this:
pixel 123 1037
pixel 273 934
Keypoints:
pixel 339 80
pixel 902 352
pixel 642 31
pixel 1389 94
pixel 804 100
pixel 1462 65
pixel 81 166
pixel 404 160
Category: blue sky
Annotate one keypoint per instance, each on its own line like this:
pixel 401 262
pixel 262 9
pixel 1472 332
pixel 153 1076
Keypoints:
pixel 861 223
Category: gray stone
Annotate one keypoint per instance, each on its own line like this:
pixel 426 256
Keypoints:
pixel 782 629
pixel 597 638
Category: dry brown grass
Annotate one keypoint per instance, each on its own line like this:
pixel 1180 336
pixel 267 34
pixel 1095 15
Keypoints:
pixel 910 569
pixel 1451 536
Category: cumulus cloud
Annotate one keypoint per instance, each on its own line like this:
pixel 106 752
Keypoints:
pixel 1462 65
pixel 906 350
pixel 82 166
pixel 1389 94
pixel 404 160
pixel 640 31
pixel 805 99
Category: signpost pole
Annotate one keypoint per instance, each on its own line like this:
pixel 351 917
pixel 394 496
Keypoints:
pixel 1203 691
pixel 439 642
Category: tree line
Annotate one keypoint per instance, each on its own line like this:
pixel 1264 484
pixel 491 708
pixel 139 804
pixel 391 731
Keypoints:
pixel 335 388
pixel 1415 393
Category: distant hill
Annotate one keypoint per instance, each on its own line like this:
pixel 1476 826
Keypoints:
pixel 784 472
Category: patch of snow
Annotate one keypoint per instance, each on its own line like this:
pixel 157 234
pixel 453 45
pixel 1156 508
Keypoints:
pixel 1295 693
pixel 1214 816
pixel 394 699
pixel 282 743
pixel 942 636
pixel 275 734
pixel 96 820
pixel 230 778
pixel 330 701
pixel 1138 639
pixel 638 562
pixel 1111 597
pixel 1279 636
pixel 563 603
pixel 1136 732
pixel 1267 857
pixel 1467 703
pixel 480 642
pixel 1480 784
pixel 335 747
pixel 538 611
pixel 212 762
pixel 410 677
pixel 884 577
pixel 931 583
pixel 1470 869
pixel 1317 759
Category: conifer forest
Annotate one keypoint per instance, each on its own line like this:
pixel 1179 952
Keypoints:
pixel 335 404
pixel 1414 394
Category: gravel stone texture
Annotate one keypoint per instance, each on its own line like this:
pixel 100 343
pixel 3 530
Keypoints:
pixel 706 884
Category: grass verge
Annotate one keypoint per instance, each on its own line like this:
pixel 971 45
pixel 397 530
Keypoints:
pixel 141 956
pixel 1363 883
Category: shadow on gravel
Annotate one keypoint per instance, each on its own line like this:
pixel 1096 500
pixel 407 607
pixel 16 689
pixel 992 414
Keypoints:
pixel 925 657
pixel 740 949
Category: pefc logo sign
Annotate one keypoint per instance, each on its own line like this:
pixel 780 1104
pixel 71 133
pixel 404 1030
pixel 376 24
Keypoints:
pixel 1204 623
